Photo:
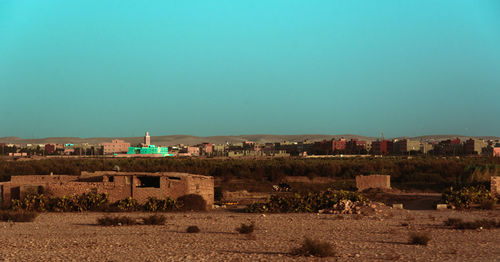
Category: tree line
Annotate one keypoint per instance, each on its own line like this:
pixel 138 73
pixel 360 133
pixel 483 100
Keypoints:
pixel 413 173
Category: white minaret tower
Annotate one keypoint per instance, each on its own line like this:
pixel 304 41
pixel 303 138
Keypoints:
pixel 147 139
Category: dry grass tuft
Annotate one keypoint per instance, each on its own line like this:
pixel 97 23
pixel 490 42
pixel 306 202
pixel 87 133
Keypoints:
pixel 315 247
pixel 246 229
pixel 193 229
pixel 419 238
pixel 116 221
pixel 18 216
pixel 154 220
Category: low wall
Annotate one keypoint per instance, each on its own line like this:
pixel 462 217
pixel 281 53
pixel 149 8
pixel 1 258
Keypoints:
pixel 373 181
pixel 495 186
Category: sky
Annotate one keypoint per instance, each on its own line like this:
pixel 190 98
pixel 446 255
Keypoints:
pixel 94 68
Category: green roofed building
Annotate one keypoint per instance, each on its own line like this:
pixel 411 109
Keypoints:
pixel 148 150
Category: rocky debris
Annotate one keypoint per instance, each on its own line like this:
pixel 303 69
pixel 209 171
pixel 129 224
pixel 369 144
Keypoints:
pixel 361 208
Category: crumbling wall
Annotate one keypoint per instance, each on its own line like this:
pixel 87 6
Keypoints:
pixel 495 186
pixel 373 181
pixel 203 186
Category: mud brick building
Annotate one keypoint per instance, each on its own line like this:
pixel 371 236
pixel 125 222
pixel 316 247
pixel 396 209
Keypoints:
pixel 118 185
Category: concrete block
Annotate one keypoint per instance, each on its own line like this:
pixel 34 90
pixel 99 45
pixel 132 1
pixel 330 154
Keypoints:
pixel 441 206
pixel 397 206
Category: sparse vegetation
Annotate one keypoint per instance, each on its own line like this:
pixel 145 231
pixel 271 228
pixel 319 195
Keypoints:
pixel 193 229
pixel 154 204
pixel 310 202
pixel 246 229
pixel 315 247
pixel 457 223
pixel 154 220
pixel 466 196
pixel 116 221
pixel 90 202
pixel 18 216
pixel 419 238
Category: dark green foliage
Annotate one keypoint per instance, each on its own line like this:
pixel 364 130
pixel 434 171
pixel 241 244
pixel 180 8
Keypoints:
pixel 457 223
pixel 128 204
pixel 154 220
pixel 310 202
pixel 192 202
pixel 17 216
pixel 116 221
pixel 192 229
pixel 315 247
pixel 41 202
pixel 89 202
pixel 154 204
pixel 419 239
pixel 466 196
pixel 246 229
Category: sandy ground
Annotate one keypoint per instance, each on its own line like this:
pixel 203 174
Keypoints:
pixel 76 237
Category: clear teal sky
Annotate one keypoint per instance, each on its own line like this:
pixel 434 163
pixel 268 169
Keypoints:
pixel 117 68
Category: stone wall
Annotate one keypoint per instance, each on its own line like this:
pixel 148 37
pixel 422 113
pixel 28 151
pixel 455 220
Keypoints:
pixel 495 186
pixel 373 181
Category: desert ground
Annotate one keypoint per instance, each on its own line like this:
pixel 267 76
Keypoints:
pixel 380 236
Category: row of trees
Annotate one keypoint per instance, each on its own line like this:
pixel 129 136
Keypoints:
pixel 417 171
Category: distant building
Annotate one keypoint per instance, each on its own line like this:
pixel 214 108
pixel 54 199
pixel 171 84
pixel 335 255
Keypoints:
pixel 406 146
pixel 474 146
pixel 355 146
pixel 382 147
pixel 449 147
pixel 496 150
pixel 50 149
pixel 193 150
pixel 115 147
pixel 206 149
pixel 330 147
pixel 147 139
pixel 148 150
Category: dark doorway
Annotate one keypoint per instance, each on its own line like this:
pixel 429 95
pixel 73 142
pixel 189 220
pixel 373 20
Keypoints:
pixel 149 181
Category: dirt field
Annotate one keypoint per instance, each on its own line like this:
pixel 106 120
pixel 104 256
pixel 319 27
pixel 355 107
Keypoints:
pixel 76 237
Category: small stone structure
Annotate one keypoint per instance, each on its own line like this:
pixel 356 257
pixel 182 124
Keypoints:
pixel 118 185
pixel 495 186
pixel 373 181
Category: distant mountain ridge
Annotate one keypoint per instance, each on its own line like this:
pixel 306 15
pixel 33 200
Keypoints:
pixel 171 140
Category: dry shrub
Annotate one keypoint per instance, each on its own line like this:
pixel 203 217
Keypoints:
pixel 419 238
pixel 18 216
pixel 193 229
pixel 452 221
pixel 246 229
pixel 116 221
pixel 488 204
pixel 457 223
pixel 154 220
pixel 315 247
pixel 192 202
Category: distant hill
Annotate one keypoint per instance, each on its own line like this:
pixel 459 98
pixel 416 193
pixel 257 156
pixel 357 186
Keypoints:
pixel 193 140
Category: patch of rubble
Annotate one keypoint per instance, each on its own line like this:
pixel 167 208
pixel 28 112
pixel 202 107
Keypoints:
pixel 360 208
